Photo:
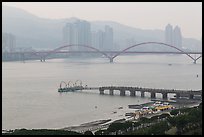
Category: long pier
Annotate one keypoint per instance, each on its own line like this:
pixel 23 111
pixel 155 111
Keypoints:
pixel 133 90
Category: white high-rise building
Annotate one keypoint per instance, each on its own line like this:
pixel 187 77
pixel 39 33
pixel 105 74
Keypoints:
pixel 8 42
pixel 108 38
pixel 84 34
pixel 173 36
pixel 77 33
pixel 97 39
pixel 169 34
pixel 103 40
pixel 177 37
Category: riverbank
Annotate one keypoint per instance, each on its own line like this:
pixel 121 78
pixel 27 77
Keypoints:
pixel 103 124
pixel 87 126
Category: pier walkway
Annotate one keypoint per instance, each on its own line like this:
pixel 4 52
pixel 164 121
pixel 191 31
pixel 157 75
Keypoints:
pixel 133 90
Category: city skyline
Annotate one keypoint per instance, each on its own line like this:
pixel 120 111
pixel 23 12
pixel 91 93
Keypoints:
pixel 148 17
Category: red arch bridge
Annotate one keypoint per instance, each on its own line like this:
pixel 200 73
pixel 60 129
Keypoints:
pixel 109 54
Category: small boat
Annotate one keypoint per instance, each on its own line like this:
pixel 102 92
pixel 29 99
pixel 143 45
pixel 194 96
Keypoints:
pixel 135 106
pixel 129 114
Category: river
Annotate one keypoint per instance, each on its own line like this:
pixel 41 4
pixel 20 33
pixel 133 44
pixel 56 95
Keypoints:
pixel 30 98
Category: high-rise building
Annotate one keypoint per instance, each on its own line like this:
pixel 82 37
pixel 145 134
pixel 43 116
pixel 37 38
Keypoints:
pixel 67 31
pixel 177 37
pixel 97 39
pixel 103 40
pixel 84 33
pixel 173 36
pixel 8 42
pixel 169 34
pixel 108 38
pixel 77 33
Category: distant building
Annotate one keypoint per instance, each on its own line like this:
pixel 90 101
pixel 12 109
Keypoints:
pixel 97 39
pixel 77 33
pixel 8 42
pixel 177 38
pixel 108 38
pixel 169 34
pixel 100 39
pixel 173 36
pixel 103 40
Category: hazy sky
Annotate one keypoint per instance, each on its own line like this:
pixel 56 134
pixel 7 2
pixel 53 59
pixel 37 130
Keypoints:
pixel 145 15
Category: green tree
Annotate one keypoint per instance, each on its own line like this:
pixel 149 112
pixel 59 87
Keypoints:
pixel 145 120
pixel 88 133
pixel 174 112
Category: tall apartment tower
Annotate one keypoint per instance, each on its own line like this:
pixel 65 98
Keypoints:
pixel 103 40
pixel 97 39
pixel 173 36
pixel 8 42
pixel 169 34
pixel 77 33
pixel 177 37
pixel 108 38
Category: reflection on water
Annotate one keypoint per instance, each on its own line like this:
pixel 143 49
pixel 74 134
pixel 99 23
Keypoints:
pixel 30 98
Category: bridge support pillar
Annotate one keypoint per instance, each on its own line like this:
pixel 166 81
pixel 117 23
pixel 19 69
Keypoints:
pixel 111 91
pixel 122 92
pixel 132 93
pixel 101 91
pixel 164 95
pixel 153 95
pixel 194 61
pixel 111 60
pixel 178 95
pixel 142 93
pixel 42 59
pixel 191 96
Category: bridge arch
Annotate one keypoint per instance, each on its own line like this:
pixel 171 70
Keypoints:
pixel 62 82
pixel 77 45
pixel 43 55
pixel 198 57
pixel 78 83
pixel 70 84
pixel 160 43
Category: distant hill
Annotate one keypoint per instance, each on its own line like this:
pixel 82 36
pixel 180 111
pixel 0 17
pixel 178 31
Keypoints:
pixel 30 30
pixel 41 33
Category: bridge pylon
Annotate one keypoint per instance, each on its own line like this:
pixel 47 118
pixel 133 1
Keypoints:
pixel 111 60
pixel 42 59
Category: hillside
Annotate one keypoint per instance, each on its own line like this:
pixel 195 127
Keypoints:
pixel 40 33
